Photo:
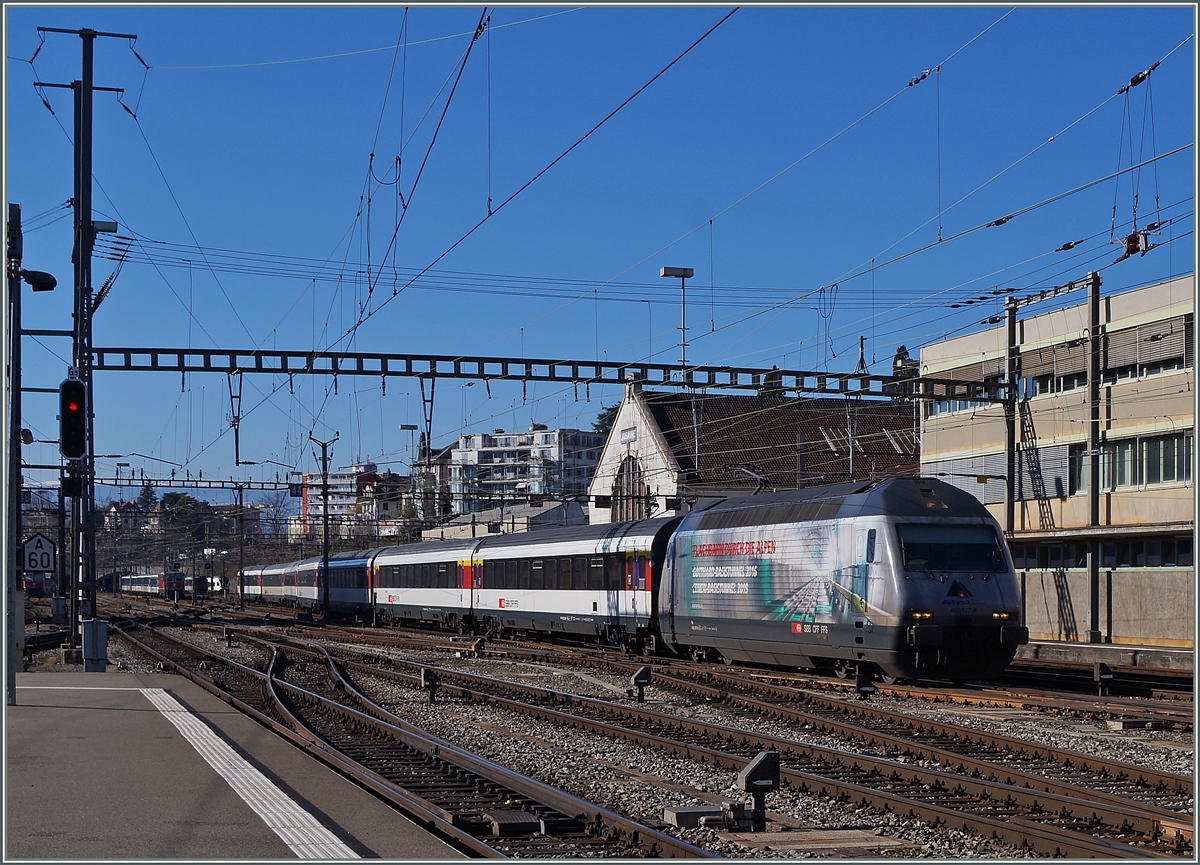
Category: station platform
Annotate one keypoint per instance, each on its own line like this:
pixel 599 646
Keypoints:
pixel 124 765
pixel 1150 657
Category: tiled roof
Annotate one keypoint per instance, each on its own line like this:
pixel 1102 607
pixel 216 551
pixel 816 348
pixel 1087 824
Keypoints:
pixel 759 434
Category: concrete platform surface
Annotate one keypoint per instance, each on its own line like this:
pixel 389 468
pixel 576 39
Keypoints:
pixel 1150 657
pixel 123 765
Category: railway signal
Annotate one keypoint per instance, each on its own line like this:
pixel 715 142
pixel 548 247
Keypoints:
pixel 72 419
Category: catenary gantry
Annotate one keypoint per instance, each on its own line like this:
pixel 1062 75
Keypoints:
pixel 574 372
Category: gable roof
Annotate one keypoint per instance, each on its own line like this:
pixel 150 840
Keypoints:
pixel 740 435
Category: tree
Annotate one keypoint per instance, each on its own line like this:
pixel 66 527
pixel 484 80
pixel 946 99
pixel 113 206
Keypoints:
pixel 605 420
pixel 277 506
pixel 187 515
pixel 147 499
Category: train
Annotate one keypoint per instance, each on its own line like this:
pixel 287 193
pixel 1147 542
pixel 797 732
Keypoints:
pixel 910 577
pixel 169 584
pixel 38 585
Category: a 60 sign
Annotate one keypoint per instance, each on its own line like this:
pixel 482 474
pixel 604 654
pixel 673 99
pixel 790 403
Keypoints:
pixel 38 554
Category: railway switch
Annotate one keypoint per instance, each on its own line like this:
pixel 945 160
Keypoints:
pixel 761 776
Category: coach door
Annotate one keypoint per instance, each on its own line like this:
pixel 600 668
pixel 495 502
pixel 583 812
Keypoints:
pixel 629 591
pixel 860 583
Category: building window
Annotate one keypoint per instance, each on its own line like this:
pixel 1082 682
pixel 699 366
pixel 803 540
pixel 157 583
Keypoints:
pixel 1167 459
pixel 1040 385
pixel 629 492
pixel 1121 373
pixel 1116 465
pixel 1160 366
pixel 1077 465
pixel 1073 381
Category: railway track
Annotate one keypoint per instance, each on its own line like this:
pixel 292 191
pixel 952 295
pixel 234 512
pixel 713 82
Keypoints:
pixel 1174 712
pixel 1050 822
pixel 1080 677
pixel 484 808
pixel 1014 760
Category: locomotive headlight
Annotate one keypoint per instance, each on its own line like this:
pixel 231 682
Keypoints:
pixel 921 615
pixel 1002 615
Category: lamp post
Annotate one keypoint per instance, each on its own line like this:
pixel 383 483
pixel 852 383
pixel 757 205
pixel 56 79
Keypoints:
pixel 412 487
pixel 411 428
pixel 39 281
pixel 683 274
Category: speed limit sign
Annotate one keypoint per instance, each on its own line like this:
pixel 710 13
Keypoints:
pixel 38 555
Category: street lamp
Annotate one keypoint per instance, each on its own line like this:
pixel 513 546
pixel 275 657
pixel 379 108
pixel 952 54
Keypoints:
pixel 39 281
pixel 410 428
pixel 683 274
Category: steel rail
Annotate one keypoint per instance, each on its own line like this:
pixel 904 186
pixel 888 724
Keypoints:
pixel 861 712
pixel 646 840
pixel 600 819
pixel 1012 829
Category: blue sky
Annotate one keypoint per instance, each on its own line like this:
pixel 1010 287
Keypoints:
pixel 245 175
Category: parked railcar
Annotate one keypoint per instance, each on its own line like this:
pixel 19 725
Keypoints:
pixel 172 584
pixel 37 585
pixel 911 575
pixel 143 584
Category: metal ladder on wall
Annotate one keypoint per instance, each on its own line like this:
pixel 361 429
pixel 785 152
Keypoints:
pixel 1033 464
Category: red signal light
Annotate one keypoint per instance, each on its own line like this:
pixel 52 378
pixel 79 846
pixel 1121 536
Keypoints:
pixel 72 406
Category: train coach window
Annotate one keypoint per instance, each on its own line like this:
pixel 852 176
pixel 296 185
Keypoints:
pixel 443 576
pixel 565 580
pixel 595 580
pixel 551 574
pixel 489 575
pixel 523 574
pixel 929 548
pixel 536 575
pixel 614 572
pixel 871 545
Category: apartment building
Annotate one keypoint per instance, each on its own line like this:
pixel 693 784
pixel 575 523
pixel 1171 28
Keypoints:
pixel 490 468
pixel 344 487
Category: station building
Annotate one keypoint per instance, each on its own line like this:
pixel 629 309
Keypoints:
pixel 1146 591
pixel 667 450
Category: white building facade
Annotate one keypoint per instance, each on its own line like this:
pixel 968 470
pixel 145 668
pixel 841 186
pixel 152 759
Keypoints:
pixel 487 469
pixel 343 499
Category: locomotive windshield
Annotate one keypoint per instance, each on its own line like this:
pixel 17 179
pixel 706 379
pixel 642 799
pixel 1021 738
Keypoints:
pixel 930 548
